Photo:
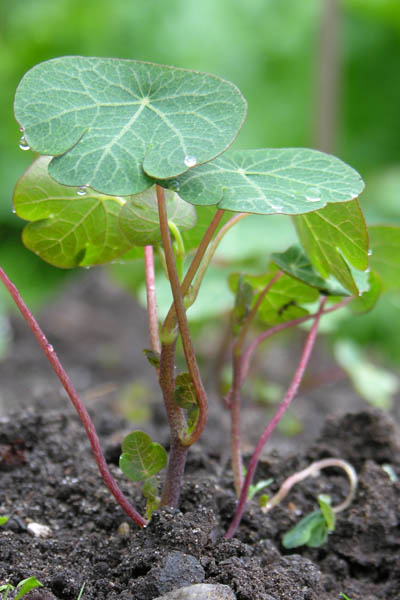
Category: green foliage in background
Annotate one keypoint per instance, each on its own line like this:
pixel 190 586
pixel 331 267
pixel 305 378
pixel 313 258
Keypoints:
pixel 270 50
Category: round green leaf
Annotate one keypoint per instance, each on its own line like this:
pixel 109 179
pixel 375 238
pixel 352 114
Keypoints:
pixel 70 226
pixel 141 458
pixel 114 124
pixel 139 218
pixel 385 254
pixel 268 181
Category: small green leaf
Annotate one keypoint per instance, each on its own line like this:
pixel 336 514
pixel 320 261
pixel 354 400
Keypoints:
pixel 115 124
pixel 139 216
pixel 326 509
pixel 68 229
pixel 150 492
pixel 153 357
pixel 284 299
pixel 333 234
pixel 26 585
pixel 266 181
pixel 296 263
pixel 185 397
pixel 141 457
pixel 385 254
pixel 310 531
pixel 370 297
pixel 260 485
pixel 344 596
pixel 3 520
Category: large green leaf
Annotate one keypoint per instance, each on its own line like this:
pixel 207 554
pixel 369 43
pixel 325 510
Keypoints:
pixel 139 216
pixel 141 458
pixel 114 124
pixel 385 254
pixel 333 234
pixel 268 181
pixel 68 228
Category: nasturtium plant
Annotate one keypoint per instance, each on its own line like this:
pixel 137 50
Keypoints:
pixel 135 161
pixel 116 125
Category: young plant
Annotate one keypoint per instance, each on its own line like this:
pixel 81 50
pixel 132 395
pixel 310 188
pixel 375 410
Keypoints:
pixel 132 154
pixel 23 587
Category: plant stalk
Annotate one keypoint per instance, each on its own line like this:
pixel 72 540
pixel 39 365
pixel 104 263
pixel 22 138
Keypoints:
pixel 294 386
pixel 180 310
pixel 151 299
pixel 76 401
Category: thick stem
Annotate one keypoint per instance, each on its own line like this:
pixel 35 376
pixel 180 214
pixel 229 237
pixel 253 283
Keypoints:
pixel 176 466
pixel 76 401
pixel 298 375
pixel 151 299
pixel 312 470
pixel 182 322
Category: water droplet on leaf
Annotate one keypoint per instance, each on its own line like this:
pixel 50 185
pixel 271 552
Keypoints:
pixel 82 191
pixel 313 194
pixel 23 144
pixel 174 185
pixel 190 161
pixel 370 252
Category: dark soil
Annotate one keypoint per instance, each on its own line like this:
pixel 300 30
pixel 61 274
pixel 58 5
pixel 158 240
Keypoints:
pixel 48 476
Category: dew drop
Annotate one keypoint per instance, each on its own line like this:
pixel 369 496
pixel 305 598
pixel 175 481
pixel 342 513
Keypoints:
pixel 313 195
pixel 50 348
pixel 14 211
pixel 370 252
pixel 23 144
pixel 21 129
pixel 174 185
pixel 82 191
pixel 190 161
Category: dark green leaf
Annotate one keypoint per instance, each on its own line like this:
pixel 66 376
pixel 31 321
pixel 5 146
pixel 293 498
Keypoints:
pixel 139 216
pixel 115 124
pixel 141 457
pixel 68 229
pixel 268 181
pixel 333 234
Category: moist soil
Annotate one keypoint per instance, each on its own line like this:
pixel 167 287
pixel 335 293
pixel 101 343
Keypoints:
pixel 48 476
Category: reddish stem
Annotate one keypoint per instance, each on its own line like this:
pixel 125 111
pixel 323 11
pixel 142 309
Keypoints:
pixel 151 299
pixel 298 375
pixel 182 322
pixel 76 401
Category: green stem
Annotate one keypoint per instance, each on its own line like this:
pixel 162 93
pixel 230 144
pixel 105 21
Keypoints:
pixel 182 322
pixel 170 321
pixel 180 248
pixel 211 251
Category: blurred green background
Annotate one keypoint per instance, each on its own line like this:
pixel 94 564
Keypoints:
pixel 316 73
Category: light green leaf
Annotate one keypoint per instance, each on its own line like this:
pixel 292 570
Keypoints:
pixel 284 299
pixel 150 492
pixel 141 457
pixel 68 229
pixel 114 124
pixel 139 216
pixel 327 511
pixel 370 297
pixel 310 531
pixel 3 520
pixel 385 254
pixel 26 585
pixel 375 384
pixel 333 234
pixel 296 263
pixel 268 181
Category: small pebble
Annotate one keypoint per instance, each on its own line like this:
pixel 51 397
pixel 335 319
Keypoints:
pixel 124 529
pixel 200 591
pixel 38 530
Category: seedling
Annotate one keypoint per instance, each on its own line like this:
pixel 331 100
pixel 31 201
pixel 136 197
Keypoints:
pixel 132 155
pixel 23 587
